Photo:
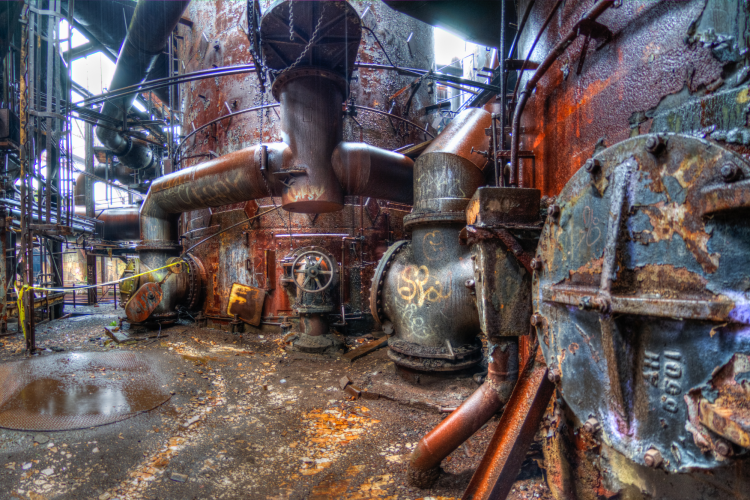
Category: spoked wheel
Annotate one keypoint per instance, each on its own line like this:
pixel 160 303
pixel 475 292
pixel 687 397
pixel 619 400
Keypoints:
pixel 313 271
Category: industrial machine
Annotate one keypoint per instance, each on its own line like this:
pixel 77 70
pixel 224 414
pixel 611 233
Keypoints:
pixel 574 235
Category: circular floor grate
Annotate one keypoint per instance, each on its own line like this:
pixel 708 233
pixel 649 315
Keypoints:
pixel 77 390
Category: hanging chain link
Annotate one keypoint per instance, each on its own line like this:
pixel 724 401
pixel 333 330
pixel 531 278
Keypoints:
pixel 309 44
pixel 291 22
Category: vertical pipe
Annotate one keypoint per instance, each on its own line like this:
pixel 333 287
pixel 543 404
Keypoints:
pixel 501 62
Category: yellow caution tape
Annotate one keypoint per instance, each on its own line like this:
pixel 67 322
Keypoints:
pixel 25 288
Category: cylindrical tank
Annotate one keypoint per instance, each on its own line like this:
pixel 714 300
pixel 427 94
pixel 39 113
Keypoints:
pixel 252 254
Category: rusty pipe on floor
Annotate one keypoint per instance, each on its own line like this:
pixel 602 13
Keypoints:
pixel 149 32
pixel 477 410
pixel 597 10
pixel 502 461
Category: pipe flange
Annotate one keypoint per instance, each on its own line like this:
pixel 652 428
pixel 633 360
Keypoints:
pixel 434 359
pixel 376 289
pixel 196 278
pixel 303 71
pixel 415 219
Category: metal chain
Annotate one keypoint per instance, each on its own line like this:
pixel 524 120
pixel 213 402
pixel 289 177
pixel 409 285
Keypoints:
pixel 291 22
pixel 307 47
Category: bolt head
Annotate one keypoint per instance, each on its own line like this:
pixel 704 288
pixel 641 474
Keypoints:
pixel 654 144
pixel 653 458
pixel 536 319
pixel 730 172
pixel 553 375
pixel 470 284
pixel 592 165
pixel 151 296
pixel 591 425
pixel 553 210
pixel 536 264
pixel 723 448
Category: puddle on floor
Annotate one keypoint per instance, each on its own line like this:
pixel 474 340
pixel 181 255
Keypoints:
pixel 75 390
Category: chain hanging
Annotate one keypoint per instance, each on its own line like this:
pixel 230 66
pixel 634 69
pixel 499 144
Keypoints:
pixel 309 45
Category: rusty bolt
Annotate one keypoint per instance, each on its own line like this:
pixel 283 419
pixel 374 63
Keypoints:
pixel 653 458
pixel 591 425
pixel 592 165
pixel 553 375
pixel 723 448
pixel 536 319
pixel 536 264
pixel 470 284
pixel 654 144
pixel 151 296
pixel 553 210
pixel 730 172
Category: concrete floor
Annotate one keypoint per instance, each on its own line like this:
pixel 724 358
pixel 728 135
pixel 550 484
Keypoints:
pixel 246 420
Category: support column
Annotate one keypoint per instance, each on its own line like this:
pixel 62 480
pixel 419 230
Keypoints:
pixel 90 211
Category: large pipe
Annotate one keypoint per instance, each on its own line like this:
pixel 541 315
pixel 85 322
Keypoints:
pixel 588 18
pixel 413 289
pixel 477 410
pixel 150 29
pixel 365 170
pixel 232 178
pixel 115 224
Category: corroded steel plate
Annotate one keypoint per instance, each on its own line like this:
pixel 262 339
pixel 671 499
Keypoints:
pixel 247 303
pixel 143 302
pixel 77 390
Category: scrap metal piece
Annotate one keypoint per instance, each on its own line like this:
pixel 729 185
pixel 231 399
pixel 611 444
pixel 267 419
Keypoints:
pixel 246 302
pixel 143 302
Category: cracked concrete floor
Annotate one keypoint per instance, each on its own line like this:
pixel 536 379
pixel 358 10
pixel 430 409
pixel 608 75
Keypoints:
pixel 246 420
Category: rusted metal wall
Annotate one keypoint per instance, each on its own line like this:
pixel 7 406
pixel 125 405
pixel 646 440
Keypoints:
pixel 244 255
pixel 668 66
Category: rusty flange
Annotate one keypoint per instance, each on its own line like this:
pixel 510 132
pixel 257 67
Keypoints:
pixel 376 288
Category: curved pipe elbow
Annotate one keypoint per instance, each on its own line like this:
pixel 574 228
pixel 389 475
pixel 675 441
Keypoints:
pixel 233 178
pixel 364 170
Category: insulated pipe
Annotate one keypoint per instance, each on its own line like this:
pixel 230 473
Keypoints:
pixel 588 18
pixel 149 31
pixel 492 395
pixel 365 170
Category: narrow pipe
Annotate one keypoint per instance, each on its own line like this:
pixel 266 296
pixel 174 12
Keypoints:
pixel 598 9
pixel 149 31
pixel 492 395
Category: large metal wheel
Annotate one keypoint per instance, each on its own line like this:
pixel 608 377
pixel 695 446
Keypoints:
pixel 313 271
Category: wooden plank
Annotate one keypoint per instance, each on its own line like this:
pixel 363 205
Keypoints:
pixel 365 349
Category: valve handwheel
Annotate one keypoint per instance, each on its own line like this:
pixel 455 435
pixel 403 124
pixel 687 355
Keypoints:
pixel 313 271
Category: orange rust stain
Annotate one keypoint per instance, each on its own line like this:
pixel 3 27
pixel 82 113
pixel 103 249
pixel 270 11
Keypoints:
pixel 677 219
